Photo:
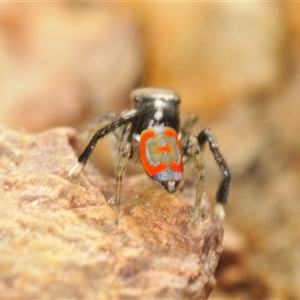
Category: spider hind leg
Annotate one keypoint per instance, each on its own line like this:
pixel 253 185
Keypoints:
pixel 222 195
pixel 207 135
pixel 193 149
pixel 125 154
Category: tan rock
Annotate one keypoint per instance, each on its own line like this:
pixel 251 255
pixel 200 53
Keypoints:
pixel 59 240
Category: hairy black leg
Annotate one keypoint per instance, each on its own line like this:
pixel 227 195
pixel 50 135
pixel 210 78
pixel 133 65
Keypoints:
pixel 122 163
pixel 84 156
pixel 103 132
pixel 99 122
pixel 207 135
pixel 192 148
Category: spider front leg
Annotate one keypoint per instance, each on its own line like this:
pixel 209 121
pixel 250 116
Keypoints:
pixel 192 148
pixel 99 122
pixel 125 154
pixel 222 196
pixel 101 133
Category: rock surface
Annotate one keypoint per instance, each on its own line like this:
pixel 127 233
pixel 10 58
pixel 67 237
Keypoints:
pixel 59 240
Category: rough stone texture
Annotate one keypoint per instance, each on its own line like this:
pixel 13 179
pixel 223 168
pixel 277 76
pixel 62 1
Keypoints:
pixel 59 240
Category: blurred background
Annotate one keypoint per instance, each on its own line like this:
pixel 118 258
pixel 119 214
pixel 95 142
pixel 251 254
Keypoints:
pixel 236 65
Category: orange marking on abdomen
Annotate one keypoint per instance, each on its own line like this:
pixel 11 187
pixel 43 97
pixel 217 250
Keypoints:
pixel 152 154
pixel 171 132
pixel 173 165
pixel 176 166
pixel 164 148
pixel 149 168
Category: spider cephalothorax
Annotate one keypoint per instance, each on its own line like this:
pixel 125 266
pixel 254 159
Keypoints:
pixel 151 132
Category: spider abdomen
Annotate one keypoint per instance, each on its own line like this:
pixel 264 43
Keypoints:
pixel 161 155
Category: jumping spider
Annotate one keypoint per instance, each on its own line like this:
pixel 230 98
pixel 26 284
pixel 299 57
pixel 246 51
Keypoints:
pixel 150 132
